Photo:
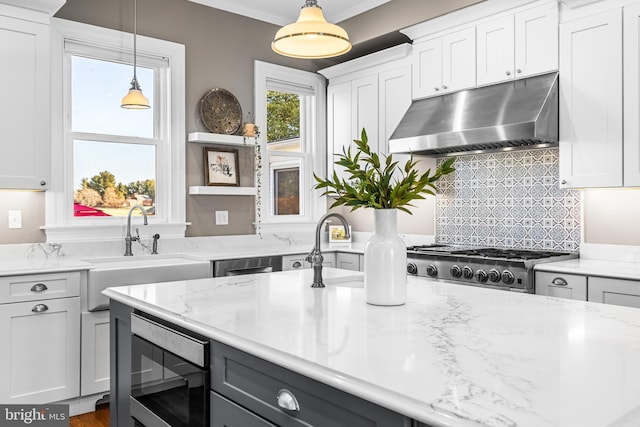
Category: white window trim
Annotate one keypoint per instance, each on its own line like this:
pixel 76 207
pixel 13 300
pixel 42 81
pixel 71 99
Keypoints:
pixel 59 225
pixel 316 137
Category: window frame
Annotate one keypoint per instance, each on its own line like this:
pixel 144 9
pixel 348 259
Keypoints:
pixel 312 145
pixel 169 123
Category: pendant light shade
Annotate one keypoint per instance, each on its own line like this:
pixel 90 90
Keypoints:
pixel 135 100
pixel 311 36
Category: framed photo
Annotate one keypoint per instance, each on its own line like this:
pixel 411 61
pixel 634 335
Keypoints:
pixel 337 234
pixel 221 166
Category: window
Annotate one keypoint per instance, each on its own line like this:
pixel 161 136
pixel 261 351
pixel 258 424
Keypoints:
pixel 290 108
pixel 112 158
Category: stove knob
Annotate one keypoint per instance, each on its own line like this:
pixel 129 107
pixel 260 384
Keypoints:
pixel 412 268
pixel 494 275
pixel 467 272
pixel 432 271
pixel 455 271
pixel 507 277
pixel 482 276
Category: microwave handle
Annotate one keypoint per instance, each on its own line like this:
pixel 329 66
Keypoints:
pixel 252 270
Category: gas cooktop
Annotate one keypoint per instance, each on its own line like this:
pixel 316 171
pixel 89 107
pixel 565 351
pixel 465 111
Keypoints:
pixel 500 268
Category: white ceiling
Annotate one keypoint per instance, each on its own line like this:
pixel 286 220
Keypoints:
pixel 282 12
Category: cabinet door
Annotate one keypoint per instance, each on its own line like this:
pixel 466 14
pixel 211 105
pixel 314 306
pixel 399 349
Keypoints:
pixel 394 87
pixel 631 96
pixel 427 68
pixel 94 376
pixel 339 129
pixel 24 121
pixel 364 96
pixel 591 101
pixel 459 60
pixel 558 285
pixel 536 40
pixel 495 51
pixel 40 360
pixel 614 291
pixel 348 261
pixel 295 262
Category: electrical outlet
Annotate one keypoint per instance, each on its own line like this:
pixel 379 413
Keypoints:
pixel 222 217
pixel 15 219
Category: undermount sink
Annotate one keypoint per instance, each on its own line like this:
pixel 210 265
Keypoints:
pixel 137 270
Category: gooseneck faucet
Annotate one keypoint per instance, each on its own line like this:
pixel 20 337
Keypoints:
pixel 315 256
pixel 128 238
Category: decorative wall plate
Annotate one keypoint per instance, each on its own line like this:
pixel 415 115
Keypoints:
pixel 220 111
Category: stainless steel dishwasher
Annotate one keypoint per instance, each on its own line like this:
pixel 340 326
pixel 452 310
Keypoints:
pixel 238 266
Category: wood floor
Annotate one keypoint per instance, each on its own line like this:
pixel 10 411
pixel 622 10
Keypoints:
pixel 99 418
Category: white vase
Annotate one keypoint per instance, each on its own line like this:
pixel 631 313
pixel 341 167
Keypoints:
pixel 385 261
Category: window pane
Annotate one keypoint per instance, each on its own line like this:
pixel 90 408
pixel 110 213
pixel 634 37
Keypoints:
pixel 96 94
pixel 285 176
pixel 110 177
pixel 283 121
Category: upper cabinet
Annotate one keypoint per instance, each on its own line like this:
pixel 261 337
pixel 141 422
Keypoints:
pixel 518 45
pixel 501 40
pixel 444 64
pixel 631 74
pixel 371 92
pixel 24 120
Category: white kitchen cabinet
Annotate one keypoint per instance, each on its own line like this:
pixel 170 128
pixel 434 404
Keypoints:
pixel 94 375
pixel 614 291
pixel 444 64
pixel 631 46
pixel 361 256
pixel 560 285
pixel 364 109
pixel 24 115
pixel 591 101
pixel 40 360
pixel 348 261
pixel 394 91
pixel 299 261
pixel 339 129
pixel 518 45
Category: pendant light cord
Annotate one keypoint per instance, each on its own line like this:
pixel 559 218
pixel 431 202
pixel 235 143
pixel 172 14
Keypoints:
pixel 135 32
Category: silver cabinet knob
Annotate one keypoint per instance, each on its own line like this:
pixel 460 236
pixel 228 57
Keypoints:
pixel 518 70
pixel 436 89
pixel 559 281
pixel 43 183
pixel 39 287
pixel 39 308
pixel 507 73
pixel 563 181
pixel 286 400
pixel 444 87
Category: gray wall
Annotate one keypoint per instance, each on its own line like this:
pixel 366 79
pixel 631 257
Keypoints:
pixel 31 203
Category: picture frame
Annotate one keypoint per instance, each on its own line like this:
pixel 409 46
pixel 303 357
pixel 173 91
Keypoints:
pixel 221 166
pixel 337 234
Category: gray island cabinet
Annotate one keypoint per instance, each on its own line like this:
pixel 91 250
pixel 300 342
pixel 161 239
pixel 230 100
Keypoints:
pixel 283 353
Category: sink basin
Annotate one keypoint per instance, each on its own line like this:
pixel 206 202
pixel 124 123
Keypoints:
pixel 137 270
pixel 348 280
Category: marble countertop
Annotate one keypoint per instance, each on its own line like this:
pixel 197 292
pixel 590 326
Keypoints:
pixel 593 267
pixel 454 355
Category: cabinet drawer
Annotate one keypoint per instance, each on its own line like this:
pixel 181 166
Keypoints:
pixel 39 286
pixel 560 285
pixel 615 291
pixel 348 261
pixel 295 262
pixel 225 413
pixel 254 384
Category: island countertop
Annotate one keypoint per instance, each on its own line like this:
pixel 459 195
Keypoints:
pixel 453 355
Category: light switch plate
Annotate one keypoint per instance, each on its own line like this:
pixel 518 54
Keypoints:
pixel 222 217
pixel 15 219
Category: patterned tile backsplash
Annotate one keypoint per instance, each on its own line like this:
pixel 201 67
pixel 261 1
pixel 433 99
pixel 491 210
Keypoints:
pixel 509 200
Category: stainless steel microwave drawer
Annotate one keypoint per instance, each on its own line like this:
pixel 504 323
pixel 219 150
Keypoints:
pixel 286 398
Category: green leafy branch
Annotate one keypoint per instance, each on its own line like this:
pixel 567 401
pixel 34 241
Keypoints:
pixel 372 182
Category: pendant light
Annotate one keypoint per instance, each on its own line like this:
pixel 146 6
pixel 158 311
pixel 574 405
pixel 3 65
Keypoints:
pixel 311 36
pixel 135 100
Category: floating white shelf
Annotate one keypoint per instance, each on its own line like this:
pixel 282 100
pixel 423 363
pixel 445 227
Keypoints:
pixel 221 191
pixel 220 139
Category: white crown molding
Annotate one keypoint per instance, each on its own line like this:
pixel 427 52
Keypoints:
pixel 387 56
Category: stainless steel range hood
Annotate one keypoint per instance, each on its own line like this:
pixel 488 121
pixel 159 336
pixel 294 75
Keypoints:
pixel 521 114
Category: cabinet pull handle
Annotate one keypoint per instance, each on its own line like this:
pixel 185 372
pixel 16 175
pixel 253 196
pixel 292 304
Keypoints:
pixel 39 287
pixel 559 281
pixel 286 400
pixel 43 183
pixel 508 73
pixel 518 70
pixel 436 89
pixel 297 264
pixel 444 87
pixel 563 181
pixel 39 308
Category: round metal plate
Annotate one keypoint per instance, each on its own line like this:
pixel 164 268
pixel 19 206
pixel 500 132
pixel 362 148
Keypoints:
pixel 220 111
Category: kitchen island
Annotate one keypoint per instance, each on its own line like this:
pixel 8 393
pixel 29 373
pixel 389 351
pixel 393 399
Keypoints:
pixel 453 355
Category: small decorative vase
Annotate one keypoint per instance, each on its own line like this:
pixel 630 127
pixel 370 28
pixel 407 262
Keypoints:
pixel 385 261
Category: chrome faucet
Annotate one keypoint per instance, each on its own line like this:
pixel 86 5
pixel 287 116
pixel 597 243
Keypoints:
pixel 128 238
pixel 315 256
